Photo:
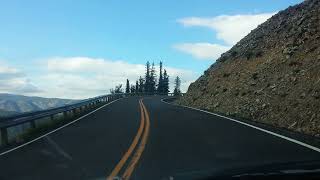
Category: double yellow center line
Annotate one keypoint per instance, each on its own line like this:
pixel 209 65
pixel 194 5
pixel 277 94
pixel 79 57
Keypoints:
pixel 142 136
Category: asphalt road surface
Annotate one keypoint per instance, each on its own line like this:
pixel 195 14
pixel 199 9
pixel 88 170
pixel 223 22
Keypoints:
pixel 145 138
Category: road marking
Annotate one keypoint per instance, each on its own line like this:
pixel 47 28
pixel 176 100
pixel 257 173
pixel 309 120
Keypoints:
pixel 249 125
pixel 134 143
pixel 142 136
pixel 135 159
pixel 55 130
pixel 58 148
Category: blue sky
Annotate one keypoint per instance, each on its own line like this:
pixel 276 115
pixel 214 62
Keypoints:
pixel 187 35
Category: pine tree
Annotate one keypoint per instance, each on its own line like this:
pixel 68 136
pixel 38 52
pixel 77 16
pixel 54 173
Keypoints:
pixel 147 78
pixel 137 87
pixel 132 89
pixel 141 85
pixel 149 84
pixel 128 86
pixel 160 83
pixel 153 79
pixel 165 82
pixel 177 83
pixel 117 89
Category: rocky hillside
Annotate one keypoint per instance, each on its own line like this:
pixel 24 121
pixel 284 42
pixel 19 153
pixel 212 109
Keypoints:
pixel 271 76
pixel 10 103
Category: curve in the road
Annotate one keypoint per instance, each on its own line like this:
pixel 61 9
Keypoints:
pixel 249 125
pixel 179 142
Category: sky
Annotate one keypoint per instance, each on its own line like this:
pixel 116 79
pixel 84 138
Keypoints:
pixel 80 49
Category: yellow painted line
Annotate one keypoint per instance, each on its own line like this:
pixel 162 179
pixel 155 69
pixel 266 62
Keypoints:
pixel 134 143
pixel 135 159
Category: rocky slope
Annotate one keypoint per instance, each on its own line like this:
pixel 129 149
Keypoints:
pixel 19 104
pixel 271 76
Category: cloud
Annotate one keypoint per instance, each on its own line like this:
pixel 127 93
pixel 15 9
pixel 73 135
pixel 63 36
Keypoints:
pixel 12 80
pixel 92 65
pixel 84 77
pixel 9 72
pixel 79 77
pixel 202 50
pixel 229 28
pixel 186 76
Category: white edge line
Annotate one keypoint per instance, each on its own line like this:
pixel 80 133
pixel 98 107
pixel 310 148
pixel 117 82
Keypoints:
pixel 29 142
pixel 249 125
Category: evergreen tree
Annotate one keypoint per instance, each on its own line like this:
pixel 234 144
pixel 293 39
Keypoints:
pixel 147 83
pixel 118 89
pixel 141 85
pixel 153 80
pixel 177 83
pixel 128 86
pixel 160 89
pixel 165 82
pixel 132 89
pixel 137 87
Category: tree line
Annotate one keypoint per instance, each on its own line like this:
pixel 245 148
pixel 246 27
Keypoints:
pixel 150 83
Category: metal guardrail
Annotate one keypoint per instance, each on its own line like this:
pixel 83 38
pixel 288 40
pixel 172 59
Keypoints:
pixel 32 117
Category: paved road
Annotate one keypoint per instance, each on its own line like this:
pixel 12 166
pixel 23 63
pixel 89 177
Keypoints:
pixel 147 140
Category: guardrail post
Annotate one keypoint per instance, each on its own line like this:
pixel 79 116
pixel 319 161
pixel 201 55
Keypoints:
pixel 65 114
pixel 4 136
pixel 74 112
pixel 33 124
pixel 51 117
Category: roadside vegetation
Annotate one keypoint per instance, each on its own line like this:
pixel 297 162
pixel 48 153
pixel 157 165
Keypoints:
pixel 150 83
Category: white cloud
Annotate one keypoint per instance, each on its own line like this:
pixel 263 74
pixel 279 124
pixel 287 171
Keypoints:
pixel 92 65
pixel 83 77
pixel 202 50
pixel 13 80
pixel 186 77
pixel 78 77
pixel 229 28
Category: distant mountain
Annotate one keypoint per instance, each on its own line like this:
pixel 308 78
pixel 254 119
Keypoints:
pixel 4 113
pixel 11 104
pixel 271 76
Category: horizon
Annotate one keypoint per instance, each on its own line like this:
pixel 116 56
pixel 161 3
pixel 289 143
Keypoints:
pixel 58 49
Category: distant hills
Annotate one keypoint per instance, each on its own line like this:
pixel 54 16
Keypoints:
pixel 11 104
pixel 271 76
pixel 4 113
